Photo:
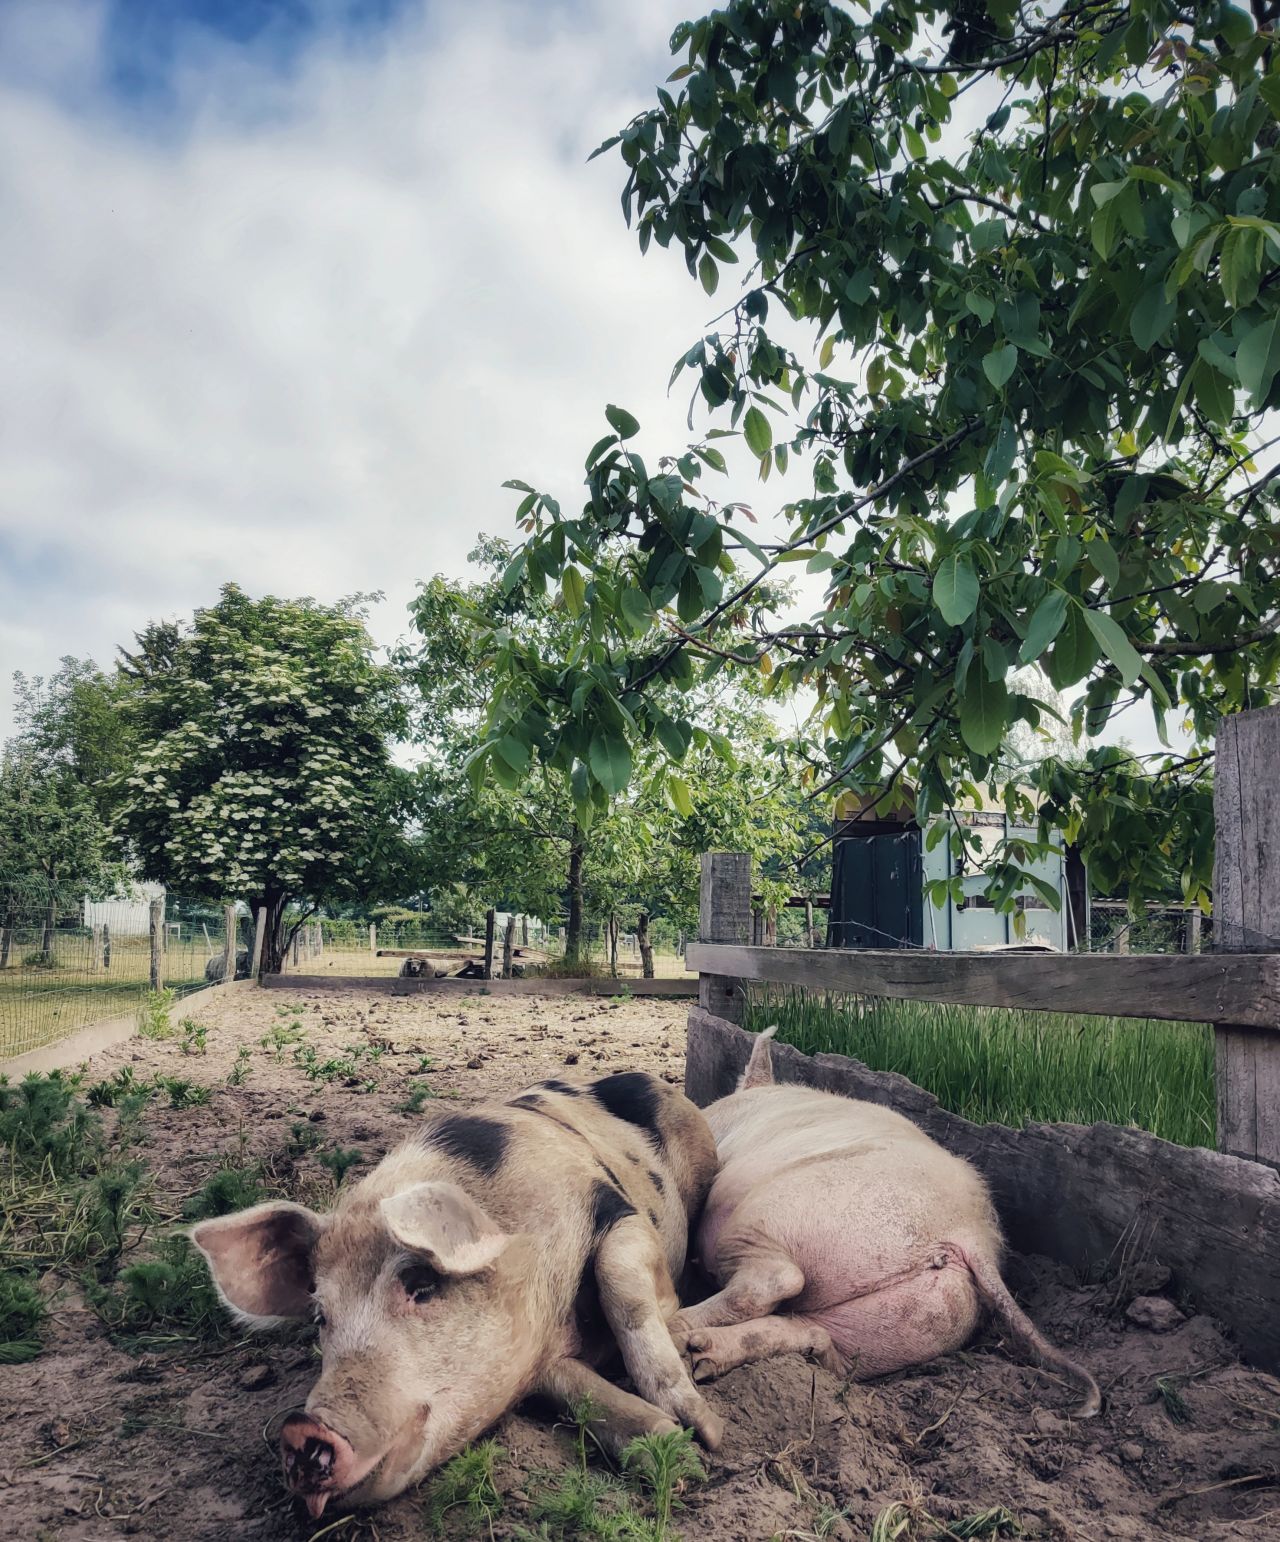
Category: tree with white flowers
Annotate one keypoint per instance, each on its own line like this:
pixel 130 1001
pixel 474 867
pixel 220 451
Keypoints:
pixel 264 768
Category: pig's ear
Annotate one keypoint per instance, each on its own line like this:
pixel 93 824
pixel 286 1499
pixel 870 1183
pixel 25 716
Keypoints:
pixel 445 1225
pixel 260 1260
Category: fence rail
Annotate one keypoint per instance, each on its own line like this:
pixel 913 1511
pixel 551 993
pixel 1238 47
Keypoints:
pixel 1235 988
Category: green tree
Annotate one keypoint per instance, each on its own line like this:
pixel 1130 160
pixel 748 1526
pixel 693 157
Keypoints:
pixel 1010 297
pixel 56 843
pixel 534 835
pixel 264 771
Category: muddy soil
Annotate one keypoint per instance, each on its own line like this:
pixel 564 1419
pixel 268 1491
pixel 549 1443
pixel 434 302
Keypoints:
pixel 100 1440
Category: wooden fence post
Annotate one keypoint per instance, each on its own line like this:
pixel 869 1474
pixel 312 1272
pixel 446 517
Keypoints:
pixel 810 941
pixel 1246 919
pixel 106 945
pixel 157 942
pixel 259 943
pixel 95 949
pixel 508 947
pixel 228 944
pixel 1191 931
pixel 724 915
pixel 490 926
pixel 373 936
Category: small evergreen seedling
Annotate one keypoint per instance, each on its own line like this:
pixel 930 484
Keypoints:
pixel 339 1162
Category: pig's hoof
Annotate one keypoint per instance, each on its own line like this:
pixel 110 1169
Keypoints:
pixel 702 1352
pixel 709 1426
pixel 679 1330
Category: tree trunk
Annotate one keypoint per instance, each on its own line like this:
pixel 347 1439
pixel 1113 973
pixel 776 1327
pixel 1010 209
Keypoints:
pixel 508 947
pixel 573 931
pixel 50 922
pixel 274 941
pixel 613 946
pixel 646 947
pixel 6 939
pixel 524 931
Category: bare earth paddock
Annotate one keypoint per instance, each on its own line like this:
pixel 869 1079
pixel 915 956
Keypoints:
pixel 99 1441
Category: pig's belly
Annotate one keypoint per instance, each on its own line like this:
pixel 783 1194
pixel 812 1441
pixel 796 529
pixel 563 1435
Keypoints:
pixel 907 1321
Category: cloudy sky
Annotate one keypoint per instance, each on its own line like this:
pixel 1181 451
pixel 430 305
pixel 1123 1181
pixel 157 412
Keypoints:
pixel 289 287
pixel 285 303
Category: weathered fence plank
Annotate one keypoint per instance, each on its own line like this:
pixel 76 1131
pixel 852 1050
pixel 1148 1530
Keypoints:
pixel 1087 1195
pixel 490 929
pixel 1183 987
pixel 228 944
pixel 157 942
pixel 1246 919
pixel 724 916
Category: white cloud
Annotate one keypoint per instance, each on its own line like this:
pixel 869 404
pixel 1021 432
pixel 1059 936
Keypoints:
pixel 300 337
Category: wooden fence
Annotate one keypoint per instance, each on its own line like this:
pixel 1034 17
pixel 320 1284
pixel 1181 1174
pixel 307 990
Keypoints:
pixel 1236 987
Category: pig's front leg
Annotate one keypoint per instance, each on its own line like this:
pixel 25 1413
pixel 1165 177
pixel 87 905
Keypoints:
pixel 638 1298
pixel 757 1284
pixel 616 1417
pixel 714 1351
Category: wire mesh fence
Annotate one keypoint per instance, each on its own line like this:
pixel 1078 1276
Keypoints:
pixel 67 960
pixel 357 948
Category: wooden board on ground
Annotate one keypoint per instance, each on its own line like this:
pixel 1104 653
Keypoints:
pixel 1239 987
pixel 1090 1196
pixel 394 985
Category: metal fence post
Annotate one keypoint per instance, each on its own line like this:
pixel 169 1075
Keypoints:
pixel 724 915
pixel 1246 919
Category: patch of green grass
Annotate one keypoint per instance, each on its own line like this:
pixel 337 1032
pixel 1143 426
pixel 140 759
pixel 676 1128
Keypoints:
pixel 22 1310
pixel 1007 1066
pixel 466 1485
pixel 230 1188
pixel 153 1015
pixel 665 1465
pixel 183 1094
pixel 419 1093
pixel 45 1124
pixel 339 1162
pixel 195 1037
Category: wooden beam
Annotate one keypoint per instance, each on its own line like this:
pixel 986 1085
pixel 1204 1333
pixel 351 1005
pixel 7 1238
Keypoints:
pixel 724 916
pixel 1246 920
pixel 228 944
pixel 1201 987
pixel 392 985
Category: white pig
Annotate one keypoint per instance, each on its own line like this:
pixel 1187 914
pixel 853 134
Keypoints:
pixel 837 1228
pixel 500 1252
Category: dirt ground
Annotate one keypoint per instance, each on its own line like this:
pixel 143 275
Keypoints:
pixel 98 1441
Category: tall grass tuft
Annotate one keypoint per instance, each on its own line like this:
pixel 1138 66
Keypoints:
pixel 1006 1066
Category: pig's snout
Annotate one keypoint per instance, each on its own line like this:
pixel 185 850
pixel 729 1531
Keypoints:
pixel 318 1462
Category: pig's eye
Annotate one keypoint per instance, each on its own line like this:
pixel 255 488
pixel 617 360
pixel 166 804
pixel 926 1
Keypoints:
pixel 420 1283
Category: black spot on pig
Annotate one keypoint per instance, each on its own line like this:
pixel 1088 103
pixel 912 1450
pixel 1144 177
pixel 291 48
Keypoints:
pixel 471 1138
pixel 655 1178
pixel 608 1207
pixel 633 1096
pixel 563 1088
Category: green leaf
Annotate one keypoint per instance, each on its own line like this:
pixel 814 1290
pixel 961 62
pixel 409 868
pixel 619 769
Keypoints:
pixel 1075 652
pixel 574 591
pixel 1151 317
pixel 999 364
pixel 1045 624
pixel 610 760
pixel 627 427
pixel 984 712
pixel 636 609
pixel 955 589
pixel 1001 455
pixel 598 449
pixel 678 789
pixel 758 433
pixel 708 272
pixel 981 307
pixel 1115 644
pixel 1104 560
pixel 1258 359
pixel 721 249
pixel 673 735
